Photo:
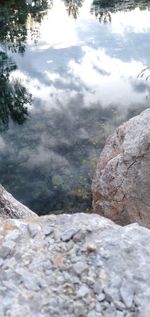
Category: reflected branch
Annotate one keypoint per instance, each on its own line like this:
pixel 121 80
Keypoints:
pixel 13 96
pixel 102 9
pixel 72 7
pixel 13 21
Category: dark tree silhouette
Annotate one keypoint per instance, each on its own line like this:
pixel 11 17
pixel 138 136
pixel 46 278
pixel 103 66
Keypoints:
pixel 13 35
pixel 13 21
pixel 72 7
pixel 13 96
pixel 102 9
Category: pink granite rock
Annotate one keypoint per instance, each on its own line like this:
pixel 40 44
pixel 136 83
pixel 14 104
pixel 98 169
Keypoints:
pixel 121 186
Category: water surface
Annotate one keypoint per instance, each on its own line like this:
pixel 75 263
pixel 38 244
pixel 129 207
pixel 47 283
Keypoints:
pixel 68 76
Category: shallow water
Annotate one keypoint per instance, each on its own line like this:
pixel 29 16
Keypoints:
pixel 75 66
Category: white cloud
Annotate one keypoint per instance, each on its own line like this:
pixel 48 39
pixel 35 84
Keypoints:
pixel 136 21
pixel 106 79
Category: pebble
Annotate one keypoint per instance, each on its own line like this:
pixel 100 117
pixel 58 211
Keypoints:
pixel 111 294
pixel 1 261
pixel 4 251
pixel 127 293
pixel 34 229
pixel 119 305
pixel 94 314
pixel 101 297
pixel 90 248
pixel 79 310
pixel 14 236
pixel 68 234
pixel 97 288
pixel 79 236
pixel 47 230
pixel 80 267
pixel 120 313
pixel 83 291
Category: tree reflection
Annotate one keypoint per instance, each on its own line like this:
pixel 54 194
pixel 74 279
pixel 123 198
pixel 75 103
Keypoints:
pixel 103 15
pixel 13 21
pixel 102 9
pixel 13 36
pixel 72 7
pixel 13 96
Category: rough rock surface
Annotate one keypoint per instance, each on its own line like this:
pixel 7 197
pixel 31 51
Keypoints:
pixel 11 208
pixel 73 266
pixel 121 187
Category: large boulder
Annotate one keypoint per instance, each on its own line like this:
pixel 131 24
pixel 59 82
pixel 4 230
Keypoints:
pixel 121 186
pixel 80 265
pixel 12 208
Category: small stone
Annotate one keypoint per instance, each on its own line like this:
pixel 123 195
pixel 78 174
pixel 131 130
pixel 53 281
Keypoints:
pixel 111 294
pixel 16 309
pixel 83 291
pixel 109 312
pixel 1 311
pixel 80 267
pixel 14 236
pixel 79 236
pixel 127 293
pixel 120 314
pixel 101 297
pixel 58 261
pixel 4 251
pixel 33 229
pixel 89 280
pixel 31 283
pixel 97 288
pixel 68 234
pixel 79 310
pixel 120 305
pixel 94 314
pixel 1 262
pixel 91 302
pixel 47 230
pixel 98 307
pixel 104 253
pixel 90 247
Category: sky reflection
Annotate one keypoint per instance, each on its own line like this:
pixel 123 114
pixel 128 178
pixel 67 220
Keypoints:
pixel 83 77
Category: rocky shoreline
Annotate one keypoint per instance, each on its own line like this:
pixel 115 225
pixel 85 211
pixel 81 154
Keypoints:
pixel 84 265
pixel 73 266
pixel 121 186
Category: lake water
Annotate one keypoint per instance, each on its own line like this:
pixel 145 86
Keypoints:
pixel 68 76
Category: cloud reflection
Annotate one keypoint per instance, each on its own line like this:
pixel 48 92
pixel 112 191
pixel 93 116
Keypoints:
pixel 83 78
